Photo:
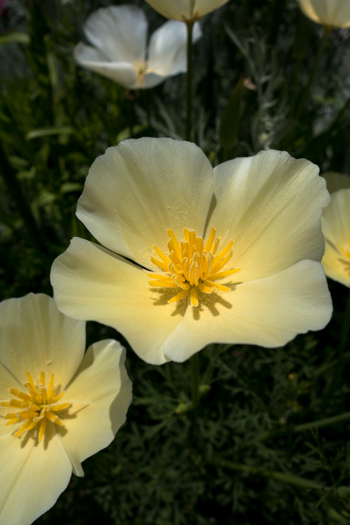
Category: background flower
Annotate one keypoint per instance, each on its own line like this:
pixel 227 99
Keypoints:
pixel 269 205
pixel 119 34
pixel 185 9
pixel 336 229
pixel 36 338
pixel 330 13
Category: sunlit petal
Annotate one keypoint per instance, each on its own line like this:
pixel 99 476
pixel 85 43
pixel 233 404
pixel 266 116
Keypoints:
pixel 44 343
pixel 116 293
pixel 270 205
pixel 138 201
pixel 267 312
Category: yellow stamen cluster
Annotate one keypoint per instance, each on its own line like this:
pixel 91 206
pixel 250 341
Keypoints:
pixel 36 407
pixel 192 265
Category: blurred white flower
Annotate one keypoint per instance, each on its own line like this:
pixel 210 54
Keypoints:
pixel 185 10
pixel 232 254
pixel 119 34
pixel 57 405
pixel 329 13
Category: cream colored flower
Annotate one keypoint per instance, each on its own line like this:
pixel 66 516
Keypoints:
pixel 57 406
pixel 231 254
pixel 185 10
pixel 118 35
pixel 329 13
pixel 336 229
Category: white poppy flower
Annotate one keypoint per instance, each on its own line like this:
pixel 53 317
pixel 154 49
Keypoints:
pixel 329 13
pixel 336 229
pixel 185 10
pixel 118 35
pixel 232 255
pixel 57 406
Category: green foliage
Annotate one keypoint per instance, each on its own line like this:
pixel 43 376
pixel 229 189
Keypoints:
pixel 250 453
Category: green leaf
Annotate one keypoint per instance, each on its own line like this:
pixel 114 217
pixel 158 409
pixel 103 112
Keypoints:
pixel 44 132
pixel 14 38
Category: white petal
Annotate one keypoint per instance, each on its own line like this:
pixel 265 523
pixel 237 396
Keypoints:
pixel 270 206
pixel 203 7
pixel 100 395
pixel 120 32
pixel 333 13
pixel 137 190
pixel 92 283
pixel 268 312
pixel 336 229
pixel 32 476
pixel 167 49
pixel 176 9
pixel 7 381
pixel 122 73
pixel 151 80
pixel 36 337
pixel 185 9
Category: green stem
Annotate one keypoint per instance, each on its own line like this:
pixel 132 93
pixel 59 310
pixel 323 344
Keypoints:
pixel 280 476
pixel 340 418
pixel 313 72
pixel 189 81
pixel 195 379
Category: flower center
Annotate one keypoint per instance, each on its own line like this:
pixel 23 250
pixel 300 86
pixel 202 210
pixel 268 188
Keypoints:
pixel 192 265
pixel 36 407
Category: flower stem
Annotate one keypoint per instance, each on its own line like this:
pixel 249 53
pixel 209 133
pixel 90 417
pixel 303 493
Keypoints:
pixel 195 379
pixel 280 476
pixel 189 81
pixel 312 425
pixel 313 71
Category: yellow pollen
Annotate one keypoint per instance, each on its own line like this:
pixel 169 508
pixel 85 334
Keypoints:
pixel 35 407
pixel 192 265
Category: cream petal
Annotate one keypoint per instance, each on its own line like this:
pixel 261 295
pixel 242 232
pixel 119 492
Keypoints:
pixel 268 312
pixel 33 476
pixel 270 205
pixel 167 48
pixel 7 381
pixel 36 337
pixel 100 395
pixel 185 9
pixel 175 9
pixel 336 219
pixel 137 190
pixel 120 32
pixel 94 284
pixel 122 73
pixel 151 80
pixel 203 7
pixel 333 13
pixel 336 229
pixel 336 266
